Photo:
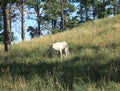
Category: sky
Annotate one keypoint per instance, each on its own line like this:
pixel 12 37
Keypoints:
pixel 16 26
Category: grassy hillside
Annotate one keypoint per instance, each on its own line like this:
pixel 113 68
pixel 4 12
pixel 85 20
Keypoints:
pixel 93 63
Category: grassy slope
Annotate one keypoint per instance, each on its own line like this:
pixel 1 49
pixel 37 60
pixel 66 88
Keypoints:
pixel 93 63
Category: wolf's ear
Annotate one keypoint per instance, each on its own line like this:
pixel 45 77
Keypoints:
pixel 50 44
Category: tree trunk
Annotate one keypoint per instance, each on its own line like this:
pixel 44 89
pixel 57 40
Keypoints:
pixel 86 14
pixel 38 19
pixel 104 10
pixel 54 21
pixel 81 18
pixel 62 16
pixel 22 20
pixel 7 32
pixel 114 10
pixel 37 10
pixel 93 5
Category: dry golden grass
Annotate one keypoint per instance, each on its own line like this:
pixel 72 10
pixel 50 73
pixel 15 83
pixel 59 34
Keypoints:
pixel 99 32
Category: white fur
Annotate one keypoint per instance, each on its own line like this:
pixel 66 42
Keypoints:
pixel 61 47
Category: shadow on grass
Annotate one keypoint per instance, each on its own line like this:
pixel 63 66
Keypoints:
pixel 77 69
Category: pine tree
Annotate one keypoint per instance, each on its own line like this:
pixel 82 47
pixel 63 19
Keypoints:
pixel 22 20
pixel 7 35
pixel 38 6
pixel 117 7
pixel 7 31
pixel 1 32
pixel 52 14
pixel 84 9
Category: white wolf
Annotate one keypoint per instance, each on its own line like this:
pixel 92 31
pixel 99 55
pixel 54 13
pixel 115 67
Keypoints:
pixel 61 47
